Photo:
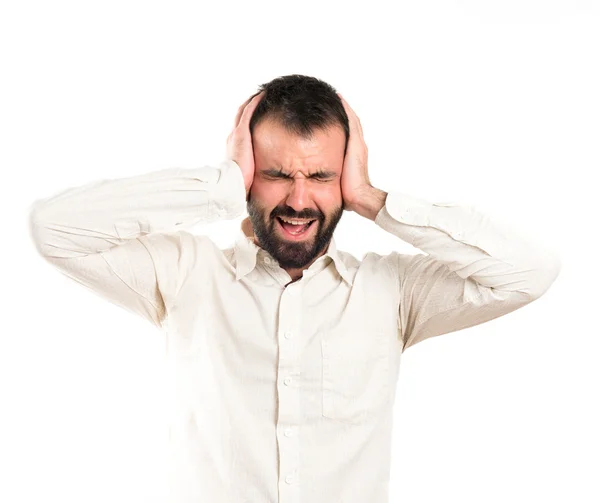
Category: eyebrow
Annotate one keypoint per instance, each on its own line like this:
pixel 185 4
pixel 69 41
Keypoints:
pixel 321 173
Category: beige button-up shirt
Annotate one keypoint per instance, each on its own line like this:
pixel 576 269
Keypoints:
pixel 282 394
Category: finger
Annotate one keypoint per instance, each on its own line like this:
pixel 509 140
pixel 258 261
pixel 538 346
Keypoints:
pixel 238 114
pixel 249 109
pixel 240 110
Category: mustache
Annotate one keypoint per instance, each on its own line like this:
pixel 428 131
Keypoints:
pixel 297 216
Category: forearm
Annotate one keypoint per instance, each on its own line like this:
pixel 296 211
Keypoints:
pixel 97 216
pixel 471 244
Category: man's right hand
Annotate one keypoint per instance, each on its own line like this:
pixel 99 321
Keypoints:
pixel 239 141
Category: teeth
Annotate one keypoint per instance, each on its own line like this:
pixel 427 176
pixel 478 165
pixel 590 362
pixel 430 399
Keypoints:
pixel 296 222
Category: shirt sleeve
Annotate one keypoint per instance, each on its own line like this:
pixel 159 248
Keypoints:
pixel 473 270
pixel 126 239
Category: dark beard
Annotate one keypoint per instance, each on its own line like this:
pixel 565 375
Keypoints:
pixel 289 254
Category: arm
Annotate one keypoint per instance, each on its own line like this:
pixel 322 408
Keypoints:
pixel 123 238
pixel 474 271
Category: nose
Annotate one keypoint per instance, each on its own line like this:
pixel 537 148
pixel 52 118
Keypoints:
pixel 299 195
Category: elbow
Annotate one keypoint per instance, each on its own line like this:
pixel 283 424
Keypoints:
pixel 544 276
pixel 38 232
pixel 32 226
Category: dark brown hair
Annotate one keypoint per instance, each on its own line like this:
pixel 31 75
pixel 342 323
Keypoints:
pixel 301 104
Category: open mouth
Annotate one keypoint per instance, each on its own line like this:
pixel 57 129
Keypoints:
pixel 295 229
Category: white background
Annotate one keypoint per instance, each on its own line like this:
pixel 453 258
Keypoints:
pixel 491 103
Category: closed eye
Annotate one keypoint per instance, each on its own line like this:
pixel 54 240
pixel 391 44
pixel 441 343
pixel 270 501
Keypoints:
pixel 319 175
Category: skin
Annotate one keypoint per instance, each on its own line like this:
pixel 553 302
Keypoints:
pixel 307 178
pixel 295 178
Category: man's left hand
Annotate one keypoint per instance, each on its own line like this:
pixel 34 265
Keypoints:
pixel 355 177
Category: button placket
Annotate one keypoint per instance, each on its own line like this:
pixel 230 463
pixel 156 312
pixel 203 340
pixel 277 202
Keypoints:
pixel 289 391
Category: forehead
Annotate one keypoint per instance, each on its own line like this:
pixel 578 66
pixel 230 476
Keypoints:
pixel 273 144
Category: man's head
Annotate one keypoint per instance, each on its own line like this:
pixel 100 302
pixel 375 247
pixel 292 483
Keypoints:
pixel 300 133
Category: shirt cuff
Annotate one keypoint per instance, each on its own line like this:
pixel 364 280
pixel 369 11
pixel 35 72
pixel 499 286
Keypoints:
pixel 404 208
pixel 229 196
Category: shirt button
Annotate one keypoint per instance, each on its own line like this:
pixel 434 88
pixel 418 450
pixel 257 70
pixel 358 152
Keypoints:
pixel 267 260
pixel 287 380
pixel 288 335
pixel 289 479
pixel 288 432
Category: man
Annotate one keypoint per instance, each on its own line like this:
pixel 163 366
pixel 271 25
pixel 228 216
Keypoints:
pixel 285 350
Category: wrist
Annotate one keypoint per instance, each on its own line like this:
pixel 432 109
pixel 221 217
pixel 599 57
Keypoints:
pixel 369 202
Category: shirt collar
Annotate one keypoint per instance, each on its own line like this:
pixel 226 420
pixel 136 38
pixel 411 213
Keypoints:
pixel 247 251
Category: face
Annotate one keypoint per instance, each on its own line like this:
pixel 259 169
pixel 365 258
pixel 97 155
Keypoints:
pixel 295 178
